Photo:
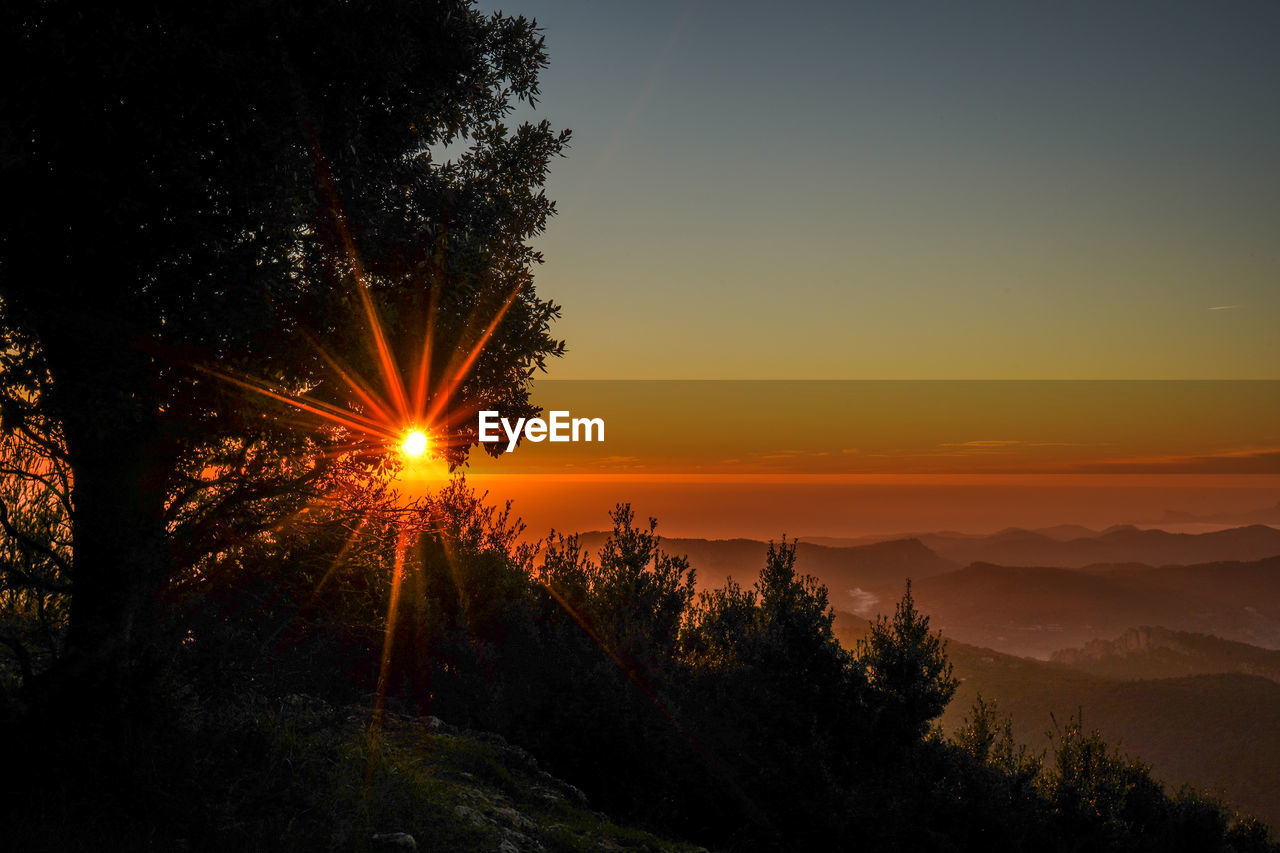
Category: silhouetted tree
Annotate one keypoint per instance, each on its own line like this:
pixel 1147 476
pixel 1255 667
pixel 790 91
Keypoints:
pixel 908 670
pixel 640 593
pixel 34 555
pixel 760 732
pixel 189 186
pixel 1100 797
pixel 988 738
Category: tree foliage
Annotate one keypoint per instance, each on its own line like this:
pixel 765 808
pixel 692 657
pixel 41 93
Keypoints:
pixel 908 669
pixel 198 189
pixel 754 729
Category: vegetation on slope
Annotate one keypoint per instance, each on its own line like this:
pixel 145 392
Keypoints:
pixel 298 774
pixel 734 717
pixel 1214 732
pixel 1156 652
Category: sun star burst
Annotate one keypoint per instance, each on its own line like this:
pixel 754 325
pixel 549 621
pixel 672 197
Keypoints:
pixel 415 444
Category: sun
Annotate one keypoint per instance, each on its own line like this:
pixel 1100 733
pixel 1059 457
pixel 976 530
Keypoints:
pixel 414 444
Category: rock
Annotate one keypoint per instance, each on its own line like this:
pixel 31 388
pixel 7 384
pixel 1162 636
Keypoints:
pixel 518 842
pixel 513 818
pixel 559 788
pixel 471 816
pixel 400 841
pixel 435 724
pixel 548 794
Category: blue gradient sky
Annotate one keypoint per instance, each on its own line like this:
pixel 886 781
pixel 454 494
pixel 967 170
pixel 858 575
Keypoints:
pixel 914 190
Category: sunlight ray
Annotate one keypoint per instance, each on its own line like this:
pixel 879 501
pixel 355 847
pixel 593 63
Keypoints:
pixel 388 639
pixel 362 391
pixel 423 377
pixel 386 360
pixel 347 545
pixel 342 417
pixel 458 375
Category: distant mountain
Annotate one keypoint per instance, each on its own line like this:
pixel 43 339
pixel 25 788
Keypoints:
pixel 1154 652
pixel 857 577
pixel 1267 515
pixel 1064 532
pixel 1036 611
pixel 1058 531
pixel 1216 732
pixel 1068 546
pixel 1252 587
pixel 873 538
pixel 1123 544
pixel 1032 608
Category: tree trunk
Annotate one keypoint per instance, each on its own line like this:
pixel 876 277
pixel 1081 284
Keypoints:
pixel 113 644
pixel 114 653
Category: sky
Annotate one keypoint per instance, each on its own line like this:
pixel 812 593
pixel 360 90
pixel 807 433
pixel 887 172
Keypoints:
pixel 796 427
pixel 839 458
pixel 914 190
pixel 908 191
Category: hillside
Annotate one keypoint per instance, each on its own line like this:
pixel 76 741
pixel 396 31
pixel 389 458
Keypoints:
pixel 298 774
pixel 1210 723
pixel 1216 732
pixel 1251 586
pixel 1068 546
pixel 1036 611
pixel 1033 608
pixel 1267 515
pixel 1155 652
pixel 1116 545
pixel 858 577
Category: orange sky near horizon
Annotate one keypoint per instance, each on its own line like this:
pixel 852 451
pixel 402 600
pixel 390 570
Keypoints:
pixel 761 459
pixel 766 506
pixel 940 427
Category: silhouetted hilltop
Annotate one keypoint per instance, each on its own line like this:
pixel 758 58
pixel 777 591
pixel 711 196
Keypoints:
pixel 1252 586
pixel 1039 610
pixel 877 569
pixel 1121 544
pixel 1074 546
pixel 1267 515
pixel 1031 609
pixel 1065 532
pixel 1057 531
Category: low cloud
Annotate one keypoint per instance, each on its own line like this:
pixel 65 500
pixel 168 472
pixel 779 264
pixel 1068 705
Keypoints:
pixel 1248 461
pixel 998 442
pixel 864 603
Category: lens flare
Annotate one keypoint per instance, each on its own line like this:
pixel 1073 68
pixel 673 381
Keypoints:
pixel 414 444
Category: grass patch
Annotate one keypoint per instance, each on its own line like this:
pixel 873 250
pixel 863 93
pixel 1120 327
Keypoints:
pixel 299 775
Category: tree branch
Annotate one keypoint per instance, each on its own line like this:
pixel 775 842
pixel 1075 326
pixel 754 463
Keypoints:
pixel 56 490
pixel 48 445
pixel 31 581
pixel 196 534
pixel 196 485
pixel 31 544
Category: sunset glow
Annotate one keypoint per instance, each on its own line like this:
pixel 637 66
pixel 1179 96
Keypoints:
pixel 371 411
